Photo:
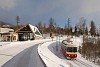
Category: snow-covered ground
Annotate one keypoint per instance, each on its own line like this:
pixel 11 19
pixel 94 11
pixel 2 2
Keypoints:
pixel 47 54
pixel 10 49
pixel 51 54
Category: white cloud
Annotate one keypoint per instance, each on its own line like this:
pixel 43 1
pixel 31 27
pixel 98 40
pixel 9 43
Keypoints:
pixel 90 7
pixel 7 4
pixel 30 10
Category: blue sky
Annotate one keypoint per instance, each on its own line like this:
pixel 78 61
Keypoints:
pixel 33 11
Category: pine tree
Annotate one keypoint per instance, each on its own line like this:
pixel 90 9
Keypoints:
pixel 75 30
pixel 93 28
pixel 86 31
pixel 51 25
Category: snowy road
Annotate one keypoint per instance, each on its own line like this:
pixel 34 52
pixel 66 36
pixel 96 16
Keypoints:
pixel 21 54
pixel 27 58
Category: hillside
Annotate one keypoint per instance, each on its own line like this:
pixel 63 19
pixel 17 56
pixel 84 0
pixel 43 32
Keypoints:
pixel 5 24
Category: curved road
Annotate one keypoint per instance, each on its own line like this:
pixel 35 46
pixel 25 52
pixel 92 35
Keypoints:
pixel 27 58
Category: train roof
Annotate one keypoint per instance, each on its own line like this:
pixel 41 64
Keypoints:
pixel 66 42
pixel 71 45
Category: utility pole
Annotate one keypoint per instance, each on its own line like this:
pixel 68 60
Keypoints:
pixel 17 19
pixel 68 25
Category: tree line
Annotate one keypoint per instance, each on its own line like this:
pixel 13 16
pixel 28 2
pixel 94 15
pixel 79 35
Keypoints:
pixel 79 29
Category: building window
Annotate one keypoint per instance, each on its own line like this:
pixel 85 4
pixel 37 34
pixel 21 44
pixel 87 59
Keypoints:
pixel 37 33
pixel 8 38
pixel 14 38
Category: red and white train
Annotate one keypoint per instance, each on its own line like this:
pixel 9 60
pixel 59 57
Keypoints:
pixel 69 50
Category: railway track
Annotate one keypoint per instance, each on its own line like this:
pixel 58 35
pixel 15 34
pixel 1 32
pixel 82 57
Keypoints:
pixel 81 63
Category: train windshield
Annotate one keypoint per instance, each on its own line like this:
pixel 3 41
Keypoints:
pixel 71 49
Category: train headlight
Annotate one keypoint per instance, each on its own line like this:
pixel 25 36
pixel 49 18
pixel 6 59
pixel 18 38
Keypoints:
pixel 75 55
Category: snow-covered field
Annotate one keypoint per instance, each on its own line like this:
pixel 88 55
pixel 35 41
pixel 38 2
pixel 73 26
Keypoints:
pixel 51 54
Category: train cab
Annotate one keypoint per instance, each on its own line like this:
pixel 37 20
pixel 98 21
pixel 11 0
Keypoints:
pixel 69 49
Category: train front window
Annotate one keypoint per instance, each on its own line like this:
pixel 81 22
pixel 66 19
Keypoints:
pixel 74 49
pixel 71 49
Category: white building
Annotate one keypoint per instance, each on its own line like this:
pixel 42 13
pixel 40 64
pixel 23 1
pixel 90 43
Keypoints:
pixel 28 32
pixel 7 34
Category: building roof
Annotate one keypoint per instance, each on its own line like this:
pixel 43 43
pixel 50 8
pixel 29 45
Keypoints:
pixel 29 29
pixel 6 30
